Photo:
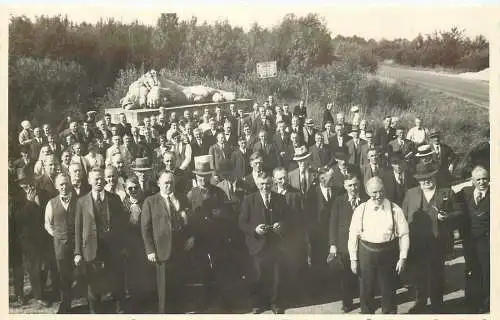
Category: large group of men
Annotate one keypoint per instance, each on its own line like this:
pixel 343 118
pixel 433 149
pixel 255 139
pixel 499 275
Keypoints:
pixel 269 196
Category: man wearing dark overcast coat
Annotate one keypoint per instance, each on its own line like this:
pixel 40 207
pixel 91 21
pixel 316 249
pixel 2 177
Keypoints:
pixel 100 222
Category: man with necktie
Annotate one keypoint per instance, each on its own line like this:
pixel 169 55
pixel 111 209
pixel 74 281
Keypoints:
pixel 340 220
pixel 397 180
pixel 354 147
pixel 268 149
pixel 444 157
pixel 219 151
pixel 100 223
pixel 60 224
pixel 374 167
pixel 263 220
pixel 475 230
pixel 166 240
pixel 303 177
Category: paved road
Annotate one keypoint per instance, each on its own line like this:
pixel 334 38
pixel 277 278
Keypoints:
pixel 473 91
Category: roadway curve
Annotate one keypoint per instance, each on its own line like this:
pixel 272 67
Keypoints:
pixel 473 91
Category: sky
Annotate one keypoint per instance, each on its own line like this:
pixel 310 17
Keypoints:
pixel 365 19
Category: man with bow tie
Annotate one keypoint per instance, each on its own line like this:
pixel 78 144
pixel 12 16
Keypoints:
pixel 60 224
pixel 263 219
pixel 475 230
pixel 378 247
pixel 340 220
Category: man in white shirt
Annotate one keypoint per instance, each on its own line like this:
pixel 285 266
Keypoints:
pixel 379 231
pixel 418 134
pixel 60 224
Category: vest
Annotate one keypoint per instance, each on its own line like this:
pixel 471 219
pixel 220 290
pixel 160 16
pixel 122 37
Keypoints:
pixel 64 227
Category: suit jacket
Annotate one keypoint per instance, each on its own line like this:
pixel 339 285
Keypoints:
pixel 253 212
pixel 219 154
pixel 320 157
pixel 363 157
pixel 259 125
pixel 367 172
pixel 394 191
pixel 27 167
pixel 426 231
pixel 248 184
pixel 35 147
pixel 46 184
pixel 240 163
pixel 308 137
pixel 232 141
pixel 340 221
pixel 84 162
pixel 124 128
pixel 199 150
pixel 475 224
pixel 86 236
pixel 318 211
pixel 156 225
pixel 338 177
pixel 445 158
pixel 408 146
pixel 334 144
pixel 271 154
pixel 84 189
pixel 300 112
pixel 353 153
pixel 382 138
pixel 294 179
pixel 210 138
pixel 238 124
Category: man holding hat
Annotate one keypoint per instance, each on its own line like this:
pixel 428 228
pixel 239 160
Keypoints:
pixel 303 177
pixel 433 213
pixel 444 157
pixel 210 222
pixel 401 145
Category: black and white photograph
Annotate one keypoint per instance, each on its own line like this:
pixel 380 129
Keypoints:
pixel 249 158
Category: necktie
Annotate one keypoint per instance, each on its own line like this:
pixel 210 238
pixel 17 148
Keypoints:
pixel 328 194
pixel 303 185
pixel 65 199
pixel 354 203
pixel 479 197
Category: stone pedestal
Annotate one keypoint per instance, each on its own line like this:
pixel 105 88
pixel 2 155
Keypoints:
pixel 136 116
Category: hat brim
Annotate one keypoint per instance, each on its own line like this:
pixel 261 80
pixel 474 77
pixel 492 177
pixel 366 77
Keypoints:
pixel 141 169
pixel 421 155
pixel 203 173
pixel 301 157
pixel 423 176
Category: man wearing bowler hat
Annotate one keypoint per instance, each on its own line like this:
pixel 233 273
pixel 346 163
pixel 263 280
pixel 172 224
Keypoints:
pixel 210 221
pixel 433 213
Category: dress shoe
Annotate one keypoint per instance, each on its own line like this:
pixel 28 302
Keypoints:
pixel 277 310
pixel 417 308
pixel 347 307
pixel 257 310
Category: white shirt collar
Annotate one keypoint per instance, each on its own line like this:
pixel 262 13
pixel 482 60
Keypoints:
pixel 101 195
pixel 428 194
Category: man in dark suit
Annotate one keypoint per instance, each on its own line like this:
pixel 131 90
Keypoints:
pixel 36 143
pixel 318 203
pixel 339 141
pixel 433 213
pixel 167 240
pixel 303 177
pixel 404 147
pixel 230 137
pixel 296 253
pixel 88 135
pixel 219 151
pixel 262 123
pixel 123 126
pixel 321 155
pixel 79 186
pixel 60 224
pixel 354 147
pixel 475 231
pixel 309 132
pixel 268 149
pixel 210 136
pixel 374 167
pixel 444 157
pixel 342 169
pixel 257 164
pixel 384 134
pixel 24 162
pixel 100 223
pixel 239 121
pixel 397 180
pixel 240 160
pixel 340 220
pixel 370 144
pixel 297 128
pixel 198 145
pixel 282 142
pixel 46 181
pixel 263 220
pixel 300 111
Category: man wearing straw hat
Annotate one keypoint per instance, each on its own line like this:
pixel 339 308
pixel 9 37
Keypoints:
pixel 301 178
pixel 210 223
pixel 433 213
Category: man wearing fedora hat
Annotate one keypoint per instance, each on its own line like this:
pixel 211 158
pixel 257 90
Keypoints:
pixel 210 222
pixel 444 157
pixel 308 132
pixel 303 177
pixel 354 147
pixel 142 170
pixel 433 213
pixel 398 180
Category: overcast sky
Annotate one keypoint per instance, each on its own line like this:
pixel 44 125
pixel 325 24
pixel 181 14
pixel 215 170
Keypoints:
pixel 365 20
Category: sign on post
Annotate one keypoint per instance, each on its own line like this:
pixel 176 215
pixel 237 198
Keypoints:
pixel 266 69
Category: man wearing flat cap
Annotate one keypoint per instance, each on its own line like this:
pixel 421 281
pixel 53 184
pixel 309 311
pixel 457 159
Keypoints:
pixel 444 157
pixel 433 213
